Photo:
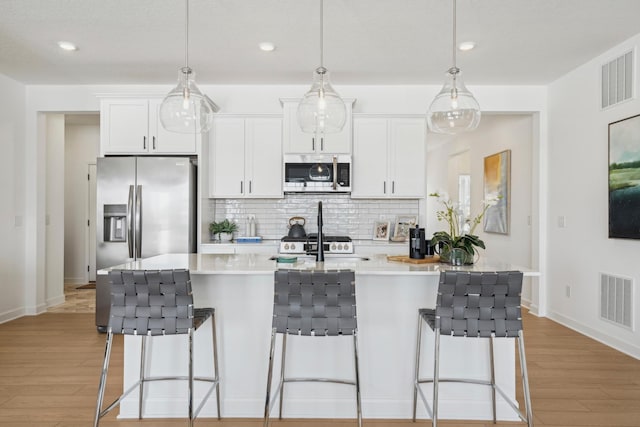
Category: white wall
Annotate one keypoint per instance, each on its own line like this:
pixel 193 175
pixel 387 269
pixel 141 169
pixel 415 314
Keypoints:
pixel 578 190
pixel 12 249
pixel 81 147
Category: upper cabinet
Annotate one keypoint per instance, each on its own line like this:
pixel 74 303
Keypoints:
pixel 295 141
pixel 132 126
pixel 388 157
pixel 245 158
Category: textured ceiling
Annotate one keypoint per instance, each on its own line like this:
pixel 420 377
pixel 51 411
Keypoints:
pixel 366 41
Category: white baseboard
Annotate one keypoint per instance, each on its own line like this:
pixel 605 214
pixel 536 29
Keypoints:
pixel 75 280
pixel 52 302
pixel 623 346
pixel 11 315
pixel 533 308
pixel 34 310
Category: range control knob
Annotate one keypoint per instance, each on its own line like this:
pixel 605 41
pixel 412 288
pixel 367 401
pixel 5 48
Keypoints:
pixel 346 246
pixel 286 246
pixel 339 246
pixel 333 246
pixel 293 246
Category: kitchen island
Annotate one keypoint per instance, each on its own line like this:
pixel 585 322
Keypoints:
pixel 240 287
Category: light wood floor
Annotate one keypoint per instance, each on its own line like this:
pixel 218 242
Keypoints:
pixel 49 368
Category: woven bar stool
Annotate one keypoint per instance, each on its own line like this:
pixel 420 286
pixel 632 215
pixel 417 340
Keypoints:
pixel 155 303
pixel 474 305
pixel 312 303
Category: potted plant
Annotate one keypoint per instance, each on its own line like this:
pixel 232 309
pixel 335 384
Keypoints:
pixel 458 245
pixel 223 230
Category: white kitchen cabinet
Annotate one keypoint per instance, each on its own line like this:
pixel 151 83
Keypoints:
pixel 132 126
pixel 296 141
pixel 388 157
pixel 245 158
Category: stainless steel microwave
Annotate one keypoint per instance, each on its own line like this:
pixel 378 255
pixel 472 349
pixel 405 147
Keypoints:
pixel 317 173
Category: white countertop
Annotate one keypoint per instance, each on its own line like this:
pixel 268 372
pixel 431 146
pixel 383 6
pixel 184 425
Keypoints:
pixel 262 264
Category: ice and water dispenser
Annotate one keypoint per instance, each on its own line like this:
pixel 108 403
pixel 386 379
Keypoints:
pixel 115 223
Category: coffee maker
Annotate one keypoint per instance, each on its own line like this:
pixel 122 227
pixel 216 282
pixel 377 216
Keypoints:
pixel 417 243
pixel 419 246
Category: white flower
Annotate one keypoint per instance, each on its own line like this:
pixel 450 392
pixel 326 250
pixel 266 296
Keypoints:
pixel 492 199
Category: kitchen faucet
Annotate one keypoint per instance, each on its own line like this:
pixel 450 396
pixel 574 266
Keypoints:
pixel 320 251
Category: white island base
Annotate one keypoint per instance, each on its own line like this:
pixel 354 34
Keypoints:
pixel 240 288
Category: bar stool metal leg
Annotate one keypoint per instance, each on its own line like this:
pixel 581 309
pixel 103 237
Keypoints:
pixel 267 405
pixel 417 368
pixel 103 377
pixel 190 377
pixel 143 358
pixel 282 366
pixel 525 379
pixel 493 378
pixel 436 374
pixel 216 375
pixel 358 403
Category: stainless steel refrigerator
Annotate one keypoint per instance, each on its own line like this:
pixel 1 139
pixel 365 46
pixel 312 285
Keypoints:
pixel 146 206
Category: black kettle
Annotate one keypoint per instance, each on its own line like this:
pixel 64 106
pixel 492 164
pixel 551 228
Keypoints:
pixel 296 229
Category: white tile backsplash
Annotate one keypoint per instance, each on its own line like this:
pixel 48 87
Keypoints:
pixel 342 215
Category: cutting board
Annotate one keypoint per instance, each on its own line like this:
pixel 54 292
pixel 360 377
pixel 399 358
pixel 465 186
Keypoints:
pixel 407 259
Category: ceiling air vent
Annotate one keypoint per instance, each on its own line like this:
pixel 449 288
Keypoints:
pixel 617 80
pixel 616 299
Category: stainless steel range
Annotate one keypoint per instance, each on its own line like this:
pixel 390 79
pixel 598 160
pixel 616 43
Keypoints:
pixel 309 245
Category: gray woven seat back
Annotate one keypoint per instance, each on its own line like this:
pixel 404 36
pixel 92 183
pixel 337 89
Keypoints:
pixel 314 302
pixel 477 304
pixel 151 302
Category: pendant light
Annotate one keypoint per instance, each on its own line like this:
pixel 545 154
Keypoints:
pixel 185 109
pixel 321 109
pixel 454 109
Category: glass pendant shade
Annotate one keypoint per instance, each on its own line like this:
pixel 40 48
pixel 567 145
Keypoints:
pixel 321 109
pixel 185 109
pixel 454 109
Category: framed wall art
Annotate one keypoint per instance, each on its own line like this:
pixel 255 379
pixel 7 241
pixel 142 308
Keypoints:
pixel 403 224
pixel 497 186
pixel 381 230
pixel 624 178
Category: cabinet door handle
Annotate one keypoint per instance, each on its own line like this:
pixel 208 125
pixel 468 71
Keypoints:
pixel 250 187
pixel 313 144
pixel 154 142
pixel 322 144
pixel 384 187
pixel 240 187
pixel 393 187
pixel 144 142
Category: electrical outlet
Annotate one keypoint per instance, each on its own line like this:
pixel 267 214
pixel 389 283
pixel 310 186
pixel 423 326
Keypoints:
pixel 567 291
pixel 562 221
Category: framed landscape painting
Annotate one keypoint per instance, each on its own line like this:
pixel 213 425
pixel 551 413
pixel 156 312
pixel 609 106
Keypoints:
pixel 624 178
pixel 497 183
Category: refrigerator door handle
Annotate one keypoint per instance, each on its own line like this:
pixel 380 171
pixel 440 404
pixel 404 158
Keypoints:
pixel 139 222
pixel 130 221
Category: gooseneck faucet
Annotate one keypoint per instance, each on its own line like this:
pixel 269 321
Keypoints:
pixel 320 251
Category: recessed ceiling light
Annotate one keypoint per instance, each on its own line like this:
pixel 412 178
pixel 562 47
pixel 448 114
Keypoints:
pixel 267 46
pixel 465 46
pixel 67 46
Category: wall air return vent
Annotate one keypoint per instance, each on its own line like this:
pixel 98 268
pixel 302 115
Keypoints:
pixel 617 79
pixel 616 299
